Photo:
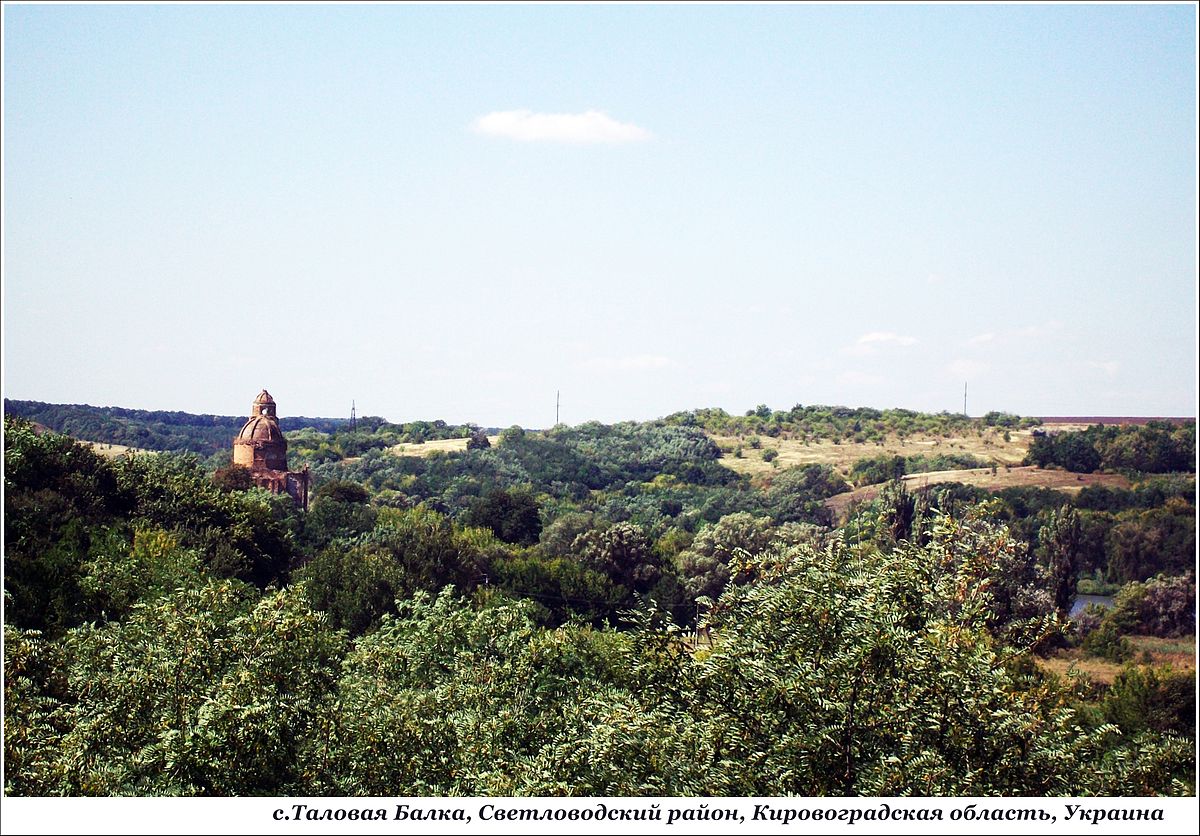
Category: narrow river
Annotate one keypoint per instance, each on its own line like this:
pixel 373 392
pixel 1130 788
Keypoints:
pixel 1082 601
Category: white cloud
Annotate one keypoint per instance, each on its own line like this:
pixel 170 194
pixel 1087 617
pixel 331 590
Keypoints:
pixel 868 343
pixel 632 363
pixel 589 126
pixel 980 339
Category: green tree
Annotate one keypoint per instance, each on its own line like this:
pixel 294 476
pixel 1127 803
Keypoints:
pixel 341 490
pixel 119 575
pixel 901 689
pixel 704 566
pixel 622 553
pixel 512 515
pixel 237 535
pixel 872 471
pixel 443 699
pixel 330 519
pixel 561 587
pixel 357 582
pixel 1144 543
pixel 798 493
pixel 207 692
pixel 557 537
pixel 478 441
pixel 58 497
pixel 1059 548
pixel 37 700
pixel 1152 699
pixel 234 477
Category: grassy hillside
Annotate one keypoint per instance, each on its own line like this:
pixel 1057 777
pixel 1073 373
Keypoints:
pixel 991 444
pixel 988 479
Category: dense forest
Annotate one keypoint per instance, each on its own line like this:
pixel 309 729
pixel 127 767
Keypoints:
pixel 208 435
pixel 1155 447
pixel 592 610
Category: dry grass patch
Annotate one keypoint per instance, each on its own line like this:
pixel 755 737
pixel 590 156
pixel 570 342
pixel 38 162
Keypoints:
pixel 444 445
pixel 1179 653
pixel 1065 662
pixel 989 445
pixel 112 451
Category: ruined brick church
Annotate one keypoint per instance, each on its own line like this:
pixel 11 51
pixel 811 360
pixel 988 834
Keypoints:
pixel 261 447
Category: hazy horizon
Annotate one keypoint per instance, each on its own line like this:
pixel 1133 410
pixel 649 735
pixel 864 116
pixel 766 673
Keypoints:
pixel 454 211
pixel 496 425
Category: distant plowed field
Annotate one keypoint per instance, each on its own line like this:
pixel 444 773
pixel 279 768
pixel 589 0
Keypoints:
pixel 1004 477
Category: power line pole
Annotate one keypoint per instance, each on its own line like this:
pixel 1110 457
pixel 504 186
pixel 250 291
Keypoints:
pixel 556 401
pixel 353 419
pixel 964 398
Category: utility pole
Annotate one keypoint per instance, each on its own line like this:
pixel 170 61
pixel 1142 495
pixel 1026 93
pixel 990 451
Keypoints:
pixel 964 398
pixel 353 419
pixel 556 394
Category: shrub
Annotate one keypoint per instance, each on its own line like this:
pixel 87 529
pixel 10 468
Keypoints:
pixel 1150 699
pixel 478 441
pixel 1163 606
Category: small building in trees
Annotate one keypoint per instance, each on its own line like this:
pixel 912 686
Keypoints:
pixel 261 447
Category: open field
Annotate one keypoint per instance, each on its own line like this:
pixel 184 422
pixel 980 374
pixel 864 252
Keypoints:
pixel 989 446
pixel 112 451
pixel 1179 653
pixel 445 445
pixel 983 477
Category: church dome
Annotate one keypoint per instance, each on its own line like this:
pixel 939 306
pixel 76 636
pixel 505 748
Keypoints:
pixel 262 448
pixel 260 444
pixel 261 428
pixel 264 404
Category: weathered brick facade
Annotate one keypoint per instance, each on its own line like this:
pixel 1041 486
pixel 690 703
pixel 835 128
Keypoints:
pixel 261 447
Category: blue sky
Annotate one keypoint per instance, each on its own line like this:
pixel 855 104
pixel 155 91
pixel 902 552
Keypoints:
pixel 454 211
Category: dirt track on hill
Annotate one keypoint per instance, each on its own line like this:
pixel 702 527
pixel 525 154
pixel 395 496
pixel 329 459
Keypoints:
pixel 1004 477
